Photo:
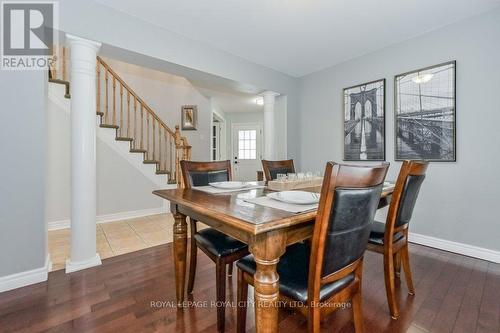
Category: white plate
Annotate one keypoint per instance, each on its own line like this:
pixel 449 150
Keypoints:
pixel 229 185
pixel 295 197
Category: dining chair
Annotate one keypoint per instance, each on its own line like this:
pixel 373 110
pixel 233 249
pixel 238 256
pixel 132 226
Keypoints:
pixel 220 248
pixel 320 276
pixel 391 238
pixel 273 168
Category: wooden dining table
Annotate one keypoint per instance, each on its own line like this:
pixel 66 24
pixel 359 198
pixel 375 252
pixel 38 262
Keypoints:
pixel 267 231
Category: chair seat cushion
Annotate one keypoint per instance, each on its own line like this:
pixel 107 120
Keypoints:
pixel 217 243
pixel 293 269
pixel 377 234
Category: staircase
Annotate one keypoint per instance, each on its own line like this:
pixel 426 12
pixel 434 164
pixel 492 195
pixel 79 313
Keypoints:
pixel 121 109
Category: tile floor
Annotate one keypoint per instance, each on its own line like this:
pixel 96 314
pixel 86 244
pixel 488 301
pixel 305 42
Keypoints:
pixel 115 238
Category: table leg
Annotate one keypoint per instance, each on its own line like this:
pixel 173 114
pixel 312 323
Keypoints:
pixel 267 249
pixel 180 249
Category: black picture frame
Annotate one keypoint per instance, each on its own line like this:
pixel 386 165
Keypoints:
pixel 425 114
pixel 355 99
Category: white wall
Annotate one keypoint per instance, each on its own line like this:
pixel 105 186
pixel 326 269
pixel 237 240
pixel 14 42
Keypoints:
pixel 457 199
pixel 165 94
pixel 23 232
pixel 130 33
pixel 120 187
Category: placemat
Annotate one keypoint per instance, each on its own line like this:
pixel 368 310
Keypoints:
pixel 214 190
pixel 292 208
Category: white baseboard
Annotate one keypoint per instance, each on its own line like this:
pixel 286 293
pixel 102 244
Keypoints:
pixel 72 266
pixel 129 215
pixel 460 248
pixel 26 278
pixel 64 224
pixel 56 225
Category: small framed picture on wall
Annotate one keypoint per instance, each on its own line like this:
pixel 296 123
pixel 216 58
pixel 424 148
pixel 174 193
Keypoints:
pixel 424 106
pixel 364 122
pixel 189 117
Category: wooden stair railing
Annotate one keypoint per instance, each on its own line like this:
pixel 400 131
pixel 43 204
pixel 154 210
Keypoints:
pixel 120 108
pixel 58 68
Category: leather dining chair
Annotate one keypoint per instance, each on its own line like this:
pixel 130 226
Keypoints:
pixel 273 168
pixel 391 238
pixel 222 249
pixel 320 275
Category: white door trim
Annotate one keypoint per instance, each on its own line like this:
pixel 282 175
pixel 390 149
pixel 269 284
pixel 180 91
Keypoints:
pixel 222 135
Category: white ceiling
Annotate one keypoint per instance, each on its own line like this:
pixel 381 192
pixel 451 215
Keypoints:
pixel 229 97
pixel 231 101
pixel 298 37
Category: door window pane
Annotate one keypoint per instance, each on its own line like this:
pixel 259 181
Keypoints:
pixel 247 144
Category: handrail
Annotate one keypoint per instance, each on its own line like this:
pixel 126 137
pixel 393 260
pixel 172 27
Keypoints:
pixel 155 149
pixel 58 64
pixel 132 92
pixel 121 108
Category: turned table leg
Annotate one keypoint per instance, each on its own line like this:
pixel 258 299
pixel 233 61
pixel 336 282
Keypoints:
pixel 180 249
pixel 267 249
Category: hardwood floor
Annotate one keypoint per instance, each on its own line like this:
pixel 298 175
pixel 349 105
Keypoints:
pixel 135 292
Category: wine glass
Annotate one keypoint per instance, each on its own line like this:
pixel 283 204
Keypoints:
pixel 281 177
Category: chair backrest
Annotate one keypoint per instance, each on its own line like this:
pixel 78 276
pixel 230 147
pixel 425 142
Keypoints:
pixel 349 199
pixel 404 197
pixel 273 168
pixel 203 173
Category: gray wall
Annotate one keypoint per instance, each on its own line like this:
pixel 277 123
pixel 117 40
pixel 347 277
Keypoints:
pixel 457 199
pixel 22 223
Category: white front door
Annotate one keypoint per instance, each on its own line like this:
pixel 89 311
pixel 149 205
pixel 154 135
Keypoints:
pixel 246 151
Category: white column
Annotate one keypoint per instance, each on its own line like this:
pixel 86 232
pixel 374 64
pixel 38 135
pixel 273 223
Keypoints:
pixel 83 154
pixel 269 128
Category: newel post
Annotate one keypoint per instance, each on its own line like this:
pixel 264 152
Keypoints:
pixel 178 156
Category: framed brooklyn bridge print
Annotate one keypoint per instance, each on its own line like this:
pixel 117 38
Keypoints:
pixel 424 104
pixel 364 122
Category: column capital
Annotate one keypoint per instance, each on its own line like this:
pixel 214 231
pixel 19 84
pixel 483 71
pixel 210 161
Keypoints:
pixel 83 55
pixel 83 41
pixel 269 96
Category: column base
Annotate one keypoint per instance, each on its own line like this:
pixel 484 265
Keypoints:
pixel 72 266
